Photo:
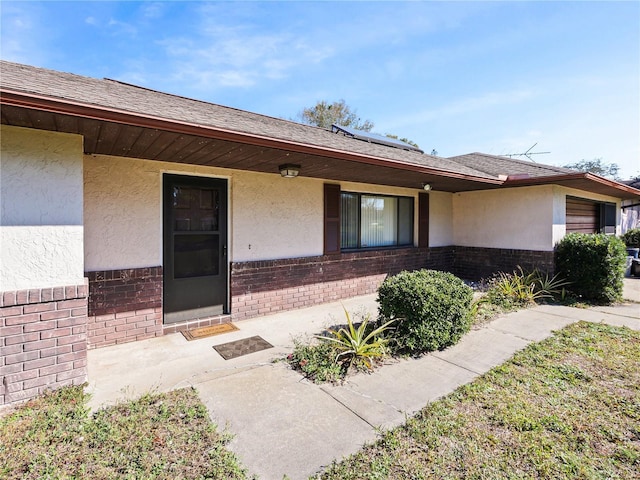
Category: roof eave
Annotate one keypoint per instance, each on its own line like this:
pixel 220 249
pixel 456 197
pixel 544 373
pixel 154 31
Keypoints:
pixel 573 180
pixel 101 113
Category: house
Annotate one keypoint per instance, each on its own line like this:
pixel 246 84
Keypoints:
pixel 630 209
pixel 128 213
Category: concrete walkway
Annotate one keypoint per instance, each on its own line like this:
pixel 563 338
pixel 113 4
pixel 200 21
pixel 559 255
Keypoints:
pixel 283 424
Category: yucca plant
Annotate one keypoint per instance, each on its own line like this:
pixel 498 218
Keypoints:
pixel 550 287
pixel 358 344
pixel 520 288
pixel 510 289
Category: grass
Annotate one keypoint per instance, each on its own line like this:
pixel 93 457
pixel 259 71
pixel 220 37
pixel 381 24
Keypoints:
pixel 564 408
pixel 165 436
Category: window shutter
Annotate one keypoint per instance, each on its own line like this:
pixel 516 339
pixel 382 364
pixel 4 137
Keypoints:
pixel 582 216
pixel 608 218
pixel 331 219
pixel 423 219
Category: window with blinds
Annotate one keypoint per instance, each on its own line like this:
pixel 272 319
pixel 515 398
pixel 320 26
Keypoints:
pixel 369 221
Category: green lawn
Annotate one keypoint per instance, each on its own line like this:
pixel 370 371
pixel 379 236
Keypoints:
pixel 565 408
pixel 568 407
pixel 166 436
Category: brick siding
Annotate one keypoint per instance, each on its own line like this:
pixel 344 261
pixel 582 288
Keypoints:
pixel 43 341
pixel 45 333
pixel 474 263
pixel 197 323
pixel 263 287
pixel 125 305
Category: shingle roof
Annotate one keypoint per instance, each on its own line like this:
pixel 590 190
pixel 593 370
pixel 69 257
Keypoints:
pixel 138 100
pixel 496 166
pixel 27 87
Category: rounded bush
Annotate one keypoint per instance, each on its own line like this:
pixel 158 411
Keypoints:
pixel 433 309
pixel 632 238
pixel 593 264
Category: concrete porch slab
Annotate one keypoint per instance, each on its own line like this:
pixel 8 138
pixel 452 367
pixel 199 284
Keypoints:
pixel 627 315
pixel 481 350
pixel 281 423
pixel 386 397
pixel 530 324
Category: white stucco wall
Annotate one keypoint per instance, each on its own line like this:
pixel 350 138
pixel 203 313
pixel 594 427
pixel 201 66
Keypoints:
pixel 41 213
pixel 123 213
pixel 440 219
pixel 274 217
pixel 517 218
pixel 270 217
pixel 526 218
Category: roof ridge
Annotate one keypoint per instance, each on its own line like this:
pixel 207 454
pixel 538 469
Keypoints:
pixel 517 160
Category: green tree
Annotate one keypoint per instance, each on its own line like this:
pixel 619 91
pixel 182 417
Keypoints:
pixel 325 114
pixel 596 166
pixel 403 139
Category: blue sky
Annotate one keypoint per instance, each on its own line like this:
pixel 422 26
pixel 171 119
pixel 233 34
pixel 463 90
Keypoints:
pixel 457 77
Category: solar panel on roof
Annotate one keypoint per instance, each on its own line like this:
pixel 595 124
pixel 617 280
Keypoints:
pixel 373 138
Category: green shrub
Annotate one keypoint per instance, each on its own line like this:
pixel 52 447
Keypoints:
pixel 632 238
pixel 316 361
pixel 593 264
pixel 519 289
pixel 433 309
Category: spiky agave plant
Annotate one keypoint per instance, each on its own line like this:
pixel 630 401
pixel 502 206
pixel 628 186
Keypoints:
pixel 355 344
pixel 550 287
pixel 520 288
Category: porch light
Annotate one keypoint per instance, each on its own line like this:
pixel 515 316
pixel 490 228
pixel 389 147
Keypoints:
pixel 426 187
pixel 289 170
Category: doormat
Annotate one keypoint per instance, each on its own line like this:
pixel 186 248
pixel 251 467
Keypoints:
pixel 242 347
pixel 203 332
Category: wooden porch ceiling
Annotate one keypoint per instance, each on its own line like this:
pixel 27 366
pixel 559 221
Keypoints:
pixel 115 132
pixel 201 146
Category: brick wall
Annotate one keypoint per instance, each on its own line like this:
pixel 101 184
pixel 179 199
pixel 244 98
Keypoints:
pixel 196 323
pixel 269 286
pixel 125 305
pixel 43 340
pixel 474 263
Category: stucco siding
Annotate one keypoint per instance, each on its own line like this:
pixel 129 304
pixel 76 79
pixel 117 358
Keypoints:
pixel 41 234
pixel 41 182
pixel 518 218
pixel 270 217
pixel 122 222
pixel 275 217
pixel 559 226
pixel 40 256
pixel 440 219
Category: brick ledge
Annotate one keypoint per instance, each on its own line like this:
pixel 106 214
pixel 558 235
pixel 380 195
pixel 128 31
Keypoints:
pixel 12 298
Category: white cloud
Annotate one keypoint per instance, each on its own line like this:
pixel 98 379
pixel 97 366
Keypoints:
pixel 240 56
pixel 462 107
pixel 21 36
pixel 153 10
pixel 121 28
